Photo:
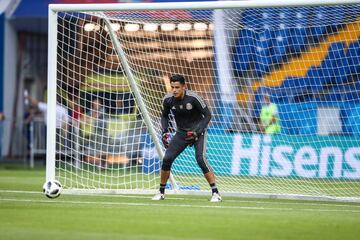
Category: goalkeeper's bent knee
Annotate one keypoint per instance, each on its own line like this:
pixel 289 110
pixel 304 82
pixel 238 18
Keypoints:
pixel 205 169
pixel 203 164
pixel 166 164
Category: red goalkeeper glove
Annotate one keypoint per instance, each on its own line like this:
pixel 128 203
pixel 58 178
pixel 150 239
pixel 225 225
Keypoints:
pixel 166 139
pixel 191 138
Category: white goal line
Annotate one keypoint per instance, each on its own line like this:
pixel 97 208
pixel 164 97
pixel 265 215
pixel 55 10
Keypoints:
pixel 199 199
pixel 217 206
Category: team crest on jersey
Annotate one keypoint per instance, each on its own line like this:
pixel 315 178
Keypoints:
pixel 181 106
pixel 189 106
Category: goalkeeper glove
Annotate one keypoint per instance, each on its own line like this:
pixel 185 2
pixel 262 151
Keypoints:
pixel 191 138
pixel 165 139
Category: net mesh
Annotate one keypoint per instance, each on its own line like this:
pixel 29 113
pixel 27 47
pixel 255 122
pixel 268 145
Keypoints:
pixel 282 85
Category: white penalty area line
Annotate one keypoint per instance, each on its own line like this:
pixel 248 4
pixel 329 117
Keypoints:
pixel 173 197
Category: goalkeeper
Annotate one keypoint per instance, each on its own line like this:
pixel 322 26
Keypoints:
pixel 192 116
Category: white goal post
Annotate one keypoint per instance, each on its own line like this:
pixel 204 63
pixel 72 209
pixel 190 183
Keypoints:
pixel 281 79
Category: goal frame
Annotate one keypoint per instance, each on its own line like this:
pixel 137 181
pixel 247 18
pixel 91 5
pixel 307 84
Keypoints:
pixel 53 10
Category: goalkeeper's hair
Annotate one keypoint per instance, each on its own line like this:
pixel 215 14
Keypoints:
pixel 177 78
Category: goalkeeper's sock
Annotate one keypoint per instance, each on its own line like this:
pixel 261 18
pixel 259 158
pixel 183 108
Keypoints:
pixel 162 188
pixel 214 188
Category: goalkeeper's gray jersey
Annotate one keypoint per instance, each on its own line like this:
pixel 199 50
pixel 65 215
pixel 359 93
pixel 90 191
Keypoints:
pixel 191 113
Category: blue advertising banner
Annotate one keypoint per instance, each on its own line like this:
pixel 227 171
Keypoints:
pixel 332 157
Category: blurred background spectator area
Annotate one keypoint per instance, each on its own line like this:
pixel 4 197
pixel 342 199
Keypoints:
pixel 266 52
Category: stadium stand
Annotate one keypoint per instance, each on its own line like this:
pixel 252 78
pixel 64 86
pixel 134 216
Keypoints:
pixel 329 56
pixel 313 56
pixel 244 55
pixel 263 55
pixel 353 58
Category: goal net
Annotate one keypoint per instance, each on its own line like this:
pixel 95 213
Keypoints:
pixel 282 83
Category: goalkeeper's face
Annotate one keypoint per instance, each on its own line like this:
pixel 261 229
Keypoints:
pixel 178 89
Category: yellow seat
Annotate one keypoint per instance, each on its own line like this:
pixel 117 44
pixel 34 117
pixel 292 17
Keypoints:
pixel 87 126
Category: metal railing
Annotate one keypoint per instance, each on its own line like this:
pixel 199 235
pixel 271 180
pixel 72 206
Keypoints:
pixel 37 143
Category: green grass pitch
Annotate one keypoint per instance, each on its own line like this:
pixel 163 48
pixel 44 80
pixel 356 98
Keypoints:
pixel 25 213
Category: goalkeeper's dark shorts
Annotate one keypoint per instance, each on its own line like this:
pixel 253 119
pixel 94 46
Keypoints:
pixel 177 146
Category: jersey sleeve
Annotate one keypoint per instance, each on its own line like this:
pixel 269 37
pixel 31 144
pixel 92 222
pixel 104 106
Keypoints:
pixel 165 115
pixel 205 111
pixel 42 107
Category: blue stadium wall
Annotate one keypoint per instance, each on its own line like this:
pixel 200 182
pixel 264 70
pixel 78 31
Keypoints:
pixel 2 29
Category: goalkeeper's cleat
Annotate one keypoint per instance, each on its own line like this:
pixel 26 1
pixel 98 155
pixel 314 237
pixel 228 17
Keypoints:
pixel 158 197
pixel 215 198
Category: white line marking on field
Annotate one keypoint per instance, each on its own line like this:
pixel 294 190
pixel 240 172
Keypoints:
pixel 173 197
pixel 126 203
pixel 17 191
pixel 175 205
